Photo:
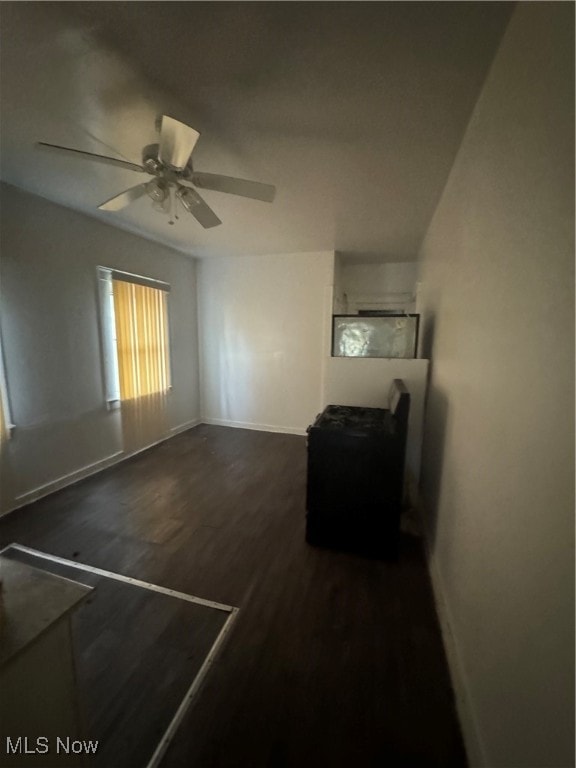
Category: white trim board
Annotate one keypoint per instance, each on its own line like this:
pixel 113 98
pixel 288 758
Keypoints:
pixel 90 469
pixel 76 475
pixel 191 692
pixel 121 577
pixel 184 427
pixel 64 480
pixel 253 426
pixel 194 687
pixel 468 722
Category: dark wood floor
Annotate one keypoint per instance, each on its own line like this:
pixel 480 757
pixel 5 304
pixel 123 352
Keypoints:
pixel 334 660
pixel 137 652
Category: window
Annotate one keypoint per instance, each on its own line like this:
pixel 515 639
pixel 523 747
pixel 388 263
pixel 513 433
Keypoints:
pixel 375 335
pixel 135 332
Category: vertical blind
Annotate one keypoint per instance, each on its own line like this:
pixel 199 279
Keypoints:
pixel 141 321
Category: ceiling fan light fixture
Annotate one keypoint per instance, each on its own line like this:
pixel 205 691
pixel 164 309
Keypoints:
pixel 157 190
pixel 187 197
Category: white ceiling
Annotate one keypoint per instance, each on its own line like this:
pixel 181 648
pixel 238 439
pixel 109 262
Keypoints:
pixel 353 110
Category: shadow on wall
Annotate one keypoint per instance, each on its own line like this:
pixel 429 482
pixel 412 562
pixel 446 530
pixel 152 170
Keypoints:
pixel 427 338
pixel 6 482
pixel 434 438
pixel 435 421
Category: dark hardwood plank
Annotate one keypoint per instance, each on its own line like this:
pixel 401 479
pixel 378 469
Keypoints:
pixel 334 660
pixel 137 653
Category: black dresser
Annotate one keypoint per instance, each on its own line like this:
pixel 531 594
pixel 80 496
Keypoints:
pixel 356 476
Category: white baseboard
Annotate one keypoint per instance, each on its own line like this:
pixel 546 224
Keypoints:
pixel 256 427
pixel 183 427
pixel 468 722
pixel 64 480
pixel 91 469
pixel 98 466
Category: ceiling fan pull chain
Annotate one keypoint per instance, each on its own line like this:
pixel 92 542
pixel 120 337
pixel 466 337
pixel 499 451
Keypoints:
pixel 170 205
pixel 175 198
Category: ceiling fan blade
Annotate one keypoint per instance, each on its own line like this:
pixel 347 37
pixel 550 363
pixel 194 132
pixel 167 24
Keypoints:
pixel 92 156
pixel 177 141
pixel 242 187
pixel 195 205
pixel 120 201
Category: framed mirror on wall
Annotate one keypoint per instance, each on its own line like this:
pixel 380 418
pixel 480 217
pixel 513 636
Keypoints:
pixel 375 335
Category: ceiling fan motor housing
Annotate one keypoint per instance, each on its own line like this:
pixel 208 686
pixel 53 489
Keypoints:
pixel 150 159
pixel 155 167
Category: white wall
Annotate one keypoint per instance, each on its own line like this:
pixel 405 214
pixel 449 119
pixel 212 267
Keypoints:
pixel 264 322
pixel 377 285
pixel 49 322
pixel 366 382
pixel 498 463
pixel 339 303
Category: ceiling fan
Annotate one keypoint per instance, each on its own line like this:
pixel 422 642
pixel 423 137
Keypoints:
pixel 174 179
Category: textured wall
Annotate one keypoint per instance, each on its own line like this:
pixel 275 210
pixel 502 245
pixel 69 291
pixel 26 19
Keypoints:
pixel 264 322
pixel 50 331
pixel 498 466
